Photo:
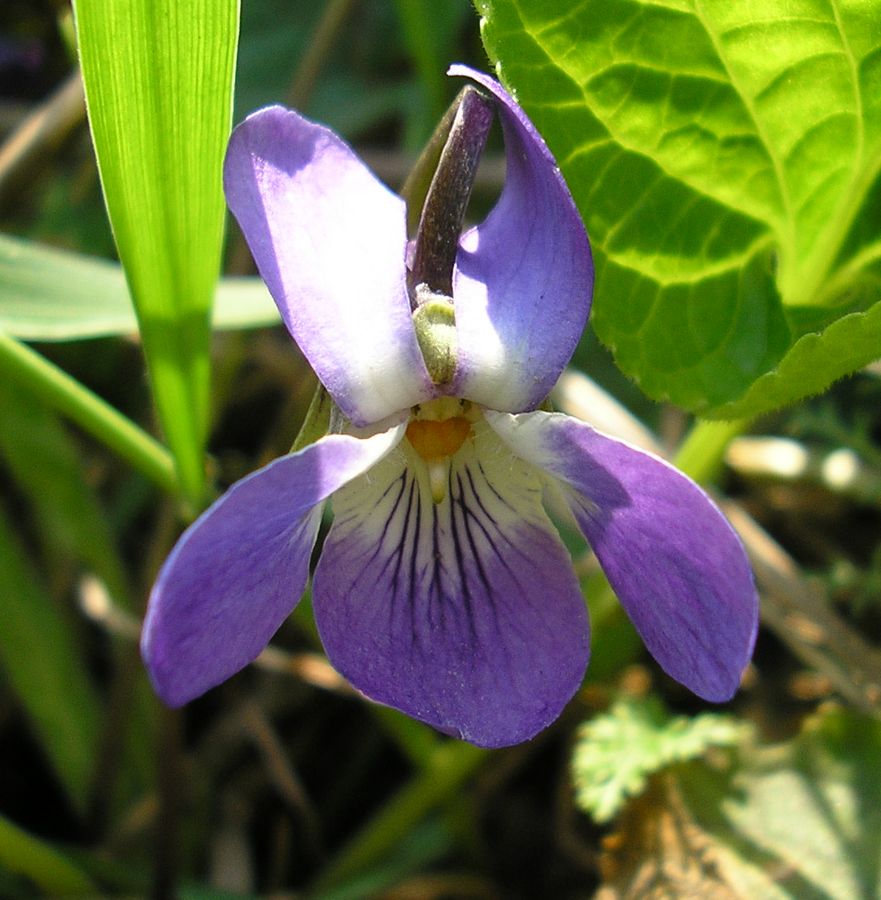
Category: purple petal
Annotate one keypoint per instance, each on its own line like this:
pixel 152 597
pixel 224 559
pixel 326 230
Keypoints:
pixel 675 563
pixel 329 240
pixel 523 280
pixel 238 570
pixel 465 614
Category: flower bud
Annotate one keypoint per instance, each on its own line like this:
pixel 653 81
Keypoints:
pixel 434 321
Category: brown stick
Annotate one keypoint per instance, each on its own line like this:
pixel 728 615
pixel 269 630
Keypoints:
pixel 40 134
pixel 795 609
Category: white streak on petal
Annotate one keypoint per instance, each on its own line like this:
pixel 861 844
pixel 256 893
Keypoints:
pixel 329 240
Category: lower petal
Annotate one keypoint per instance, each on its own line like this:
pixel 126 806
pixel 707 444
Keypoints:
pixel 465 613
pixel 675 563
pixel 239 570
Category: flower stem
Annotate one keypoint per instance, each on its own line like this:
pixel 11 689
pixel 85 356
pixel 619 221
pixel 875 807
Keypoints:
pixel 415 187
pixel 318 49
pixel 447 768
pixel 701 454
pixel 66 395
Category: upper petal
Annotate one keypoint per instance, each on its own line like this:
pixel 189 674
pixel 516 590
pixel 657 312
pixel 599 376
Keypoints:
pixel 465 614
pixel 524 277
pixel 241 567
pixel 675 563
pixel 329 240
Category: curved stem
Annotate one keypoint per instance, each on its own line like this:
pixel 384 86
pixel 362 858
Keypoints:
pixel 443 211
pixel 66 395
pixel 24 854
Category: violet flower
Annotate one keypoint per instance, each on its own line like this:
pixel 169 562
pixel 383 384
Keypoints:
pixel 443 589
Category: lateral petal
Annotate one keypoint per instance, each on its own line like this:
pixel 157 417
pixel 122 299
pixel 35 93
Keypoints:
pixel 466 613
pixel 330 241
pixel 524 277
pixel 241 567
pixel 675 563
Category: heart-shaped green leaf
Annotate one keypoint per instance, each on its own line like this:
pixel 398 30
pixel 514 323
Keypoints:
pixel 726 159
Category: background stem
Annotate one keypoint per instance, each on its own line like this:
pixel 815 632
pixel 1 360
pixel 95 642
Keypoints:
pixel 446 770
pixel 701 454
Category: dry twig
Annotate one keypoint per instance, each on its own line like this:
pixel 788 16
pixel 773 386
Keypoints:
pixel 40 134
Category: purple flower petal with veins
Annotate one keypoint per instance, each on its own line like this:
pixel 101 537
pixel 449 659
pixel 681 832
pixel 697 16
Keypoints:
pixel 442 588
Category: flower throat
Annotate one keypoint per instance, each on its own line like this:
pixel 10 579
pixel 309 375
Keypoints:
pixel 437 431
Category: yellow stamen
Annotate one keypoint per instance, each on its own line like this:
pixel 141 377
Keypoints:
pixel 436 435
pixel 438 440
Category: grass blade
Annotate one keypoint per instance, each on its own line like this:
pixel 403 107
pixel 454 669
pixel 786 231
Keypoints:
pixel 43 665
pixel 158 76
pixel 52 873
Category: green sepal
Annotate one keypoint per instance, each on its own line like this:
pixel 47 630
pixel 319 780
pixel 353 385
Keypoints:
pixel 434 320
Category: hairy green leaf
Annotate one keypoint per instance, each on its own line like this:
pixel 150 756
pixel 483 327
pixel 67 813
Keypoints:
pixel 726 159
pixel 618 750
pixel 804 818
pixel 799 820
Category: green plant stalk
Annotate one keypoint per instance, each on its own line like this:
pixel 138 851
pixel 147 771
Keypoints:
pixel 416 741
pixel 51 872
pixel 448 768
pixel 318 50
pixel 66 395
pixel 701 454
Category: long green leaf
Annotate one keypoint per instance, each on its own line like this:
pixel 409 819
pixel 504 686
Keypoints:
pixel 54 874
pixel 71 524
pixel 56 295
pixel 158 76
pixel 45 669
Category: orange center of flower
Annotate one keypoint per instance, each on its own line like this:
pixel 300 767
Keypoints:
pixel 437 440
